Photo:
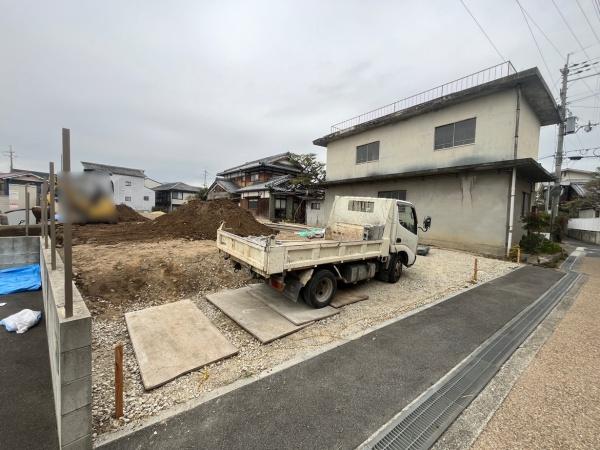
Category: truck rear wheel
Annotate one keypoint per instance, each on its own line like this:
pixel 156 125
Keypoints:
pixel 320 289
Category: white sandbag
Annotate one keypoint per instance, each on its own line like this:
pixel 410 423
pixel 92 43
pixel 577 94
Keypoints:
pixel 21 321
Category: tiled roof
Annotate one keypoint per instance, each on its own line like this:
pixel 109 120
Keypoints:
pixel 269 161
pixel 177 186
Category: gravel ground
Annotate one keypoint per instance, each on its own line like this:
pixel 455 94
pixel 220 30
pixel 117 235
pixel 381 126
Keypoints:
pixel 439 274
pixel 556 402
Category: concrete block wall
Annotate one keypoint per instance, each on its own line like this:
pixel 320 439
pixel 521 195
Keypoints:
pixel 69 345
pixel 19 251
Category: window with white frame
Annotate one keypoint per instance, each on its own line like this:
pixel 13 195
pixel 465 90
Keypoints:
pixel 146 198
pixel 127 182
pixel 127 198
pixel 315 205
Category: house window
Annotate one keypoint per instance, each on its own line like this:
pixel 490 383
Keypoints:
pixel 453 134
pixel 252 203
pixel 367 152
pixel 254 177
pixel 361 206
pixel 398 195
pixel 146 198
pixel 280 203
pixel 127 198
pixel 525 204
pixel 177 195
pixel 315 205
pixel 127 182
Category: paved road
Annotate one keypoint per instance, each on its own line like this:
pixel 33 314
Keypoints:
pixel 27 419
pixel 339 398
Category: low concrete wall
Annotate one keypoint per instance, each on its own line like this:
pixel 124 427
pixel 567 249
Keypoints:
pixel 69 345
pixel 593 237
pixel 19 251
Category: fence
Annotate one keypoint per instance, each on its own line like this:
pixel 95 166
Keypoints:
pixel 475 79
pixel 587 230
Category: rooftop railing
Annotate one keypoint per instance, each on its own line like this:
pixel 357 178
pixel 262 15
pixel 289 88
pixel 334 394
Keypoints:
pixel 475 79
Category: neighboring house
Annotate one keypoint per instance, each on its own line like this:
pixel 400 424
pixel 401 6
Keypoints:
pixel 315 212
pixel 170 196
pixel 151 183
pixel 263 187
pixel 572 186
pixel 464 153
pixel 14 185
pixel 128 185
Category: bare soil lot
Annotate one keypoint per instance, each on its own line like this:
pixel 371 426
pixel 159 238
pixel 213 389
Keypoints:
pixel 127 276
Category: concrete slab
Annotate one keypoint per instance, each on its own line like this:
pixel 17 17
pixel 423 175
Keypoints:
pixel 253 315
pixel 173 339
pixel 347 297
pixel 297 313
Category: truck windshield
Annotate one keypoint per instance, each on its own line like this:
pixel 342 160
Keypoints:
pixel 407 219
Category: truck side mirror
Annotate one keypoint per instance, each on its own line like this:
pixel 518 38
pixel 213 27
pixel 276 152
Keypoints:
pixel 426 223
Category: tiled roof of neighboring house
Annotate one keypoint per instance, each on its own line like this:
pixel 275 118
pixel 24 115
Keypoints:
pixel 579 189
pixel 24 176
pixel 269 161
pixel 113 169
pixel 177 186
pixel 274 183
pixel 227 185
pixel 34 172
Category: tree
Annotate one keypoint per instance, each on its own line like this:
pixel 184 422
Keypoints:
pixel 593 191
pixel 313 170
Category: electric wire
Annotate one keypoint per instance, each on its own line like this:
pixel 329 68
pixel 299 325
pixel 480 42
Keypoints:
pixel 483 31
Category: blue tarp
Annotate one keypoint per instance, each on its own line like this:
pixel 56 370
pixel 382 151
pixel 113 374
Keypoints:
pixel 20 279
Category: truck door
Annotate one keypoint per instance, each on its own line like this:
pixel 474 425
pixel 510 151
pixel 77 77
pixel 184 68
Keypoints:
pixel 406 232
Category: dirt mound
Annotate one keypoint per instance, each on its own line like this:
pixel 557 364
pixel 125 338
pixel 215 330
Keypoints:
pixel 200 220
pixel 127 214
pixel 194 220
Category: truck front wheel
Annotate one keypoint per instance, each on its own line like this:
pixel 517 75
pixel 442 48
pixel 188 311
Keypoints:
pixel 320 289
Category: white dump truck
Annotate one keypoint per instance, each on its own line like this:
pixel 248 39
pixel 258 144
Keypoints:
pixel 365 238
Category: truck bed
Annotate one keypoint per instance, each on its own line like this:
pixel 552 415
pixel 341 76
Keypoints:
pixel 267 256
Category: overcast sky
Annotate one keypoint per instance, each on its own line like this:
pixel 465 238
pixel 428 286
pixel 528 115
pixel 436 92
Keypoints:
pixel 180 87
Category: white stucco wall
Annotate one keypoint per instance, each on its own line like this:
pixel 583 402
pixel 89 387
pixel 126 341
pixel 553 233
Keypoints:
pixel 136 192
pixel 315 217
pixel 469 211
pixel 407 146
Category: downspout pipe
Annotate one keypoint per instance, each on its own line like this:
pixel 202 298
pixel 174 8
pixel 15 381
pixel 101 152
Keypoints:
pixel 511 211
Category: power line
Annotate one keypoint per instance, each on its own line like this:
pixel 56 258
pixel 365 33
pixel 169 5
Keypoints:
pixel 536 42
pixel 588 21
pixel 483 31
pixel 558 52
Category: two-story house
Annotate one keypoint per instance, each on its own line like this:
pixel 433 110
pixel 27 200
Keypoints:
pixel 262 187
pixel 128 185
pixel 170 196
pixel 464 153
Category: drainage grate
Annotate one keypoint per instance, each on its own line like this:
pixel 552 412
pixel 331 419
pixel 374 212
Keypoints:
pixel 422 424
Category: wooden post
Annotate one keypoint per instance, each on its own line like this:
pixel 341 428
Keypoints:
pixel 52 218
pixel 26 210
pixel 118 380
pixel 45 213
pixel 66 213
pixel 475 271
pixel 518 254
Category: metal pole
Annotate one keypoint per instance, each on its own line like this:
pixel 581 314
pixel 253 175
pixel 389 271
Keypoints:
pixel 67 249
pixel 45 213
pixel 52 218
pixel 26 210
pixel 562 112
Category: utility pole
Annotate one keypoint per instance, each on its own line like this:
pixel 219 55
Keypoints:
pixel 562 112
pixel 11 154
pixel 205 173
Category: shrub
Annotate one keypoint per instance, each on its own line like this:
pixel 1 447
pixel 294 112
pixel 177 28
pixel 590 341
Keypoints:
pixel 536 243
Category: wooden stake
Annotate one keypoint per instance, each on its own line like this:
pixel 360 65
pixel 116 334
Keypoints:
pixel 518 254
pixel 475 271
pixel 118 380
